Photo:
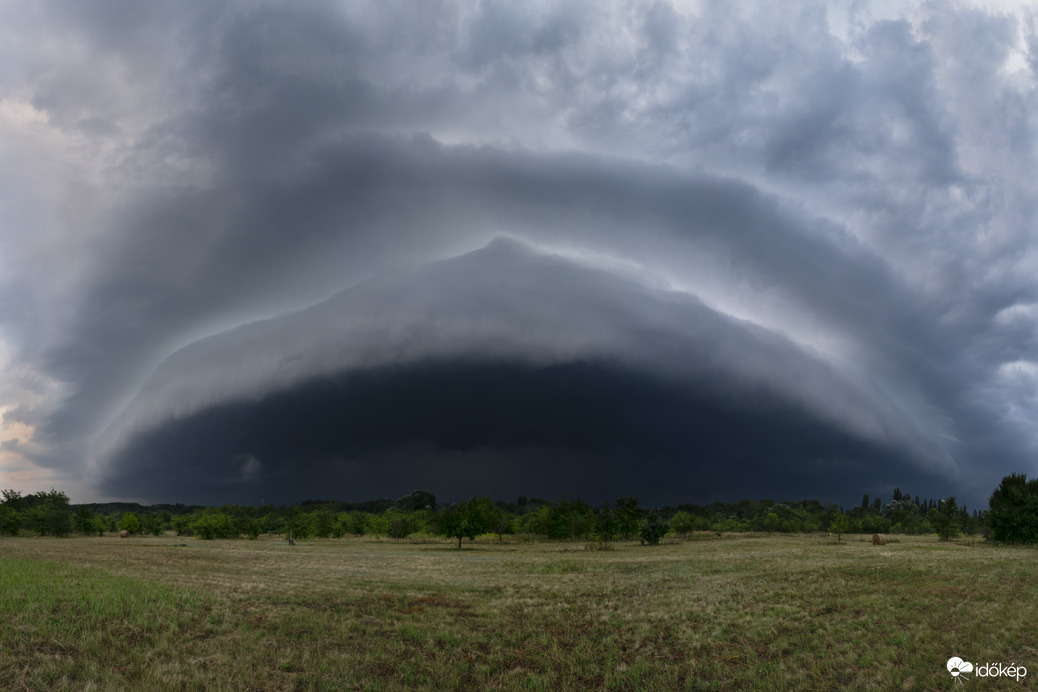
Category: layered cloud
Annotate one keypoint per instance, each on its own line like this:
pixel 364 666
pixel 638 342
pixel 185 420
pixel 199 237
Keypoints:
pixel 848 189
pixel 504 351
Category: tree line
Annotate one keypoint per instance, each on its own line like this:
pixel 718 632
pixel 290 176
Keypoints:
pixel 1012 517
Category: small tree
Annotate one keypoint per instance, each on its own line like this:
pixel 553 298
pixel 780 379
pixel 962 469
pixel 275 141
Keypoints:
pixel 945 519
pixel 298 526
pixel 12 498
pixel 653 529
pixel 181 524
pixel 771 522
pixel 10 520
pixel 130 522
pixel 682 522
pixel 323 523
pixel 628 515
pixel 399 524
pixel 606 526
pixel 83 521
pixel 839 525
pixel 252 528
pixel 466 519
pixel 151 523
pixel 502 523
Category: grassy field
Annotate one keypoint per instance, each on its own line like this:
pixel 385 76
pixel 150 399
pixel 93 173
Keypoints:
pixel 738 612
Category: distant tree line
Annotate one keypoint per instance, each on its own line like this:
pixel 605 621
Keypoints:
pixel 1012 517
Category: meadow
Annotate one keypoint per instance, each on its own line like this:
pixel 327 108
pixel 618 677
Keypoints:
pixel 728 612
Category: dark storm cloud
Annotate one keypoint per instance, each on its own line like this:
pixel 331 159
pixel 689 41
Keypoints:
pixel 859 183
pixel 506 349
pixel 460 428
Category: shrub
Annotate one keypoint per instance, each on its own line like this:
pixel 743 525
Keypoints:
pixel 399 526
pixel 10 521
pixel 130 522
pixel 653 528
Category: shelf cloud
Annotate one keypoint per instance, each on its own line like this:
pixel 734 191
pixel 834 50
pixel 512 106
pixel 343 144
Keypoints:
pixel 688 251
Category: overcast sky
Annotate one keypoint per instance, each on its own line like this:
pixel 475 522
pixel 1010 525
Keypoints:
pixel 691 251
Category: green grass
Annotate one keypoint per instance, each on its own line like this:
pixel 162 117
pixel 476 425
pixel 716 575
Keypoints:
pixel 743 612
pixel 65 625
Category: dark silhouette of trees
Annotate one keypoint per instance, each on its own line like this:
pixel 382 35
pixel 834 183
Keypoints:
pixel 1013 513
pixel 467 519
pixel 945 519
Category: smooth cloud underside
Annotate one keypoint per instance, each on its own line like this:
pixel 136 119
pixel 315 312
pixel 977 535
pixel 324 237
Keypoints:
pixel 506 368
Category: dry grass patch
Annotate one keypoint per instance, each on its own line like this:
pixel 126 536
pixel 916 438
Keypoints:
pixel 761 612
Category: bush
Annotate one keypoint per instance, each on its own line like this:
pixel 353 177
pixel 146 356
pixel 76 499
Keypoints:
pixel 212 525
pixel 299 526
pixel 130 522
pixel 399 526
pixel 10 521
pixel 323 522
pixel 653 529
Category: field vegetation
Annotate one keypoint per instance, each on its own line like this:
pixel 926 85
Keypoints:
pixel 699 611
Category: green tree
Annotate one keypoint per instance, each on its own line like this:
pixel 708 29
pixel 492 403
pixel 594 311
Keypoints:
pixel 356 523
pixel 682 522
pixel 399 525
pixel 12 499
pixel 501 523
pixel 376 525
pixel 151 523
pixel 130 522
pixel 944 518
pixel 10 520
pixel 1013 513
pixel 467 519
pixel 181 524
pixel 298 526
pixel 272 523
pixel 51 514
pixel 628 515
pixel 839 525
pixel 252 528
pixel 653 528
pixel 607 527
pixel 771 522
pixel 212 524
pixel 323 523
pixel 83 521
